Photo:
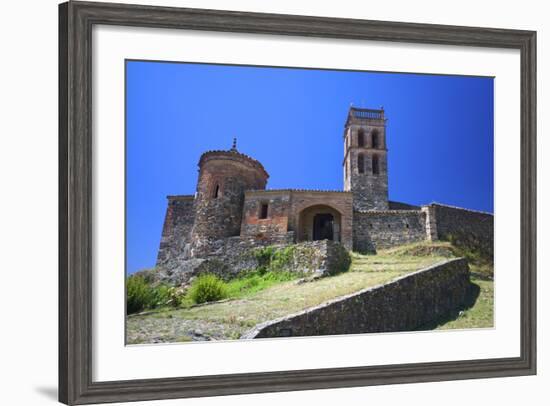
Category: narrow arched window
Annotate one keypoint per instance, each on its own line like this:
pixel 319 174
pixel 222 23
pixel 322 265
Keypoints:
pixel 216 192
pixel 375 165
pixel 361 138
pixel 375 137
pixel 360 163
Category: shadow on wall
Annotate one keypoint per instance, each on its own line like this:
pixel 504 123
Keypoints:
pixel 470 300
pixel 403 304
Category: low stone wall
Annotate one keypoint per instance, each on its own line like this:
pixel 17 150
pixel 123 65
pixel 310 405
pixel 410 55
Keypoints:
pixel 404 304
pixel 236 255
pixel 466 228
pixel 374 230
pixel 225 257
pixel 318 257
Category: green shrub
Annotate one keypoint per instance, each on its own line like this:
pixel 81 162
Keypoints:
pixel 164 295
pixel 271 259
pixel 264 256
pixel 282 258
pixel 207 288
pixel 139 294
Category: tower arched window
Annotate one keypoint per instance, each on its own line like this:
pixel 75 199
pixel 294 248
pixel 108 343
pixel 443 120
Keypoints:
pixel 375 139
pixel 216 192
pixel 360 163
pixel 375 165
pixel 361 138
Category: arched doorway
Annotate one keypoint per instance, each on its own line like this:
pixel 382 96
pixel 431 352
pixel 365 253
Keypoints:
pixel 323 226
pixel 319 222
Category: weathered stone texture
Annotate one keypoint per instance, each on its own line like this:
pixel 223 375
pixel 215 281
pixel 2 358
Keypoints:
pixel 293 210
pixel 226 258
pixel 365 142
pixel 374 230
pixel 235 255
pixel 305 203
pixel 323 258
pixel 468 228
pixel 405 304
pixel 180 215
pixel 224 176
pixel 276 223
pixel 370 191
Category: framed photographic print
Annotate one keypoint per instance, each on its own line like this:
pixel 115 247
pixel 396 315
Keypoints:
pixel 259 202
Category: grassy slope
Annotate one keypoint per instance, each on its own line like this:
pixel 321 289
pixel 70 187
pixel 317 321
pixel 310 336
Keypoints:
pixel 479 315
pixel 479 312
pixel 230 319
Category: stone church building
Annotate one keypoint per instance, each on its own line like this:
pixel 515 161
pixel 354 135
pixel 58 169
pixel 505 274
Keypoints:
pixel 232 207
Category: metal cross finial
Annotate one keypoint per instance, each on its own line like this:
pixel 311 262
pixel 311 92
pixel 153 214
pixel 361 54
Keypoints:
pixel 234 147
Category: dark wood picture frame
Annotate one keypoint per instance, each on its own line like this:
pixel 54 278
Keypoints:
pixel 76 20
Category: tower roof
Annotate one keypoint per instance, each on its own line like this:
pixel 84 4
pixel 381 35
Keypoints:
pixel 233 155
pixel 358 115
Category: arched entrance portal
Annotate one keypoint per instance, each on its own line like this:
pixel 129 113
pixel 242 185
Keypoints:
pixel 323 226
pixel 319 222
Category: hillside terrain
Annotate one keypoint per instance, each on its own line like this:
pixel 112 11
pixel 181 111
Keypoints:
pixel 230 318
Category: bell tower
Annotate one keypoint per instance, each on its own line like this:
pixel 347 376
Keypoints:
pixel 365 158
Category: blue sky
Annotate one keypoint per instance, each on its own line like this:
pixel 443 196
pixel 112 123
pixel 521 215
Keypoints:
pixel 439 134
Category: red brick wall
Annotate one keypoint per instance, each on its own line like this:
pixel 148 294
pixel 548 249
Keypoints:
pixel 286 208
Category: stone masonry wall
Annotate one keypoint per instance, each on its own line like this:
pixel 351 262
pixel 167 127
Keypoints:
pixel 178 222
pixel 223 179
pixel 468 228
pixel 405 304
pixel 227 258
pixel 236 255
pixel 276 223
pixel 339 201
pixel 374 230
pixel 288 209
pixel 323 258
pixel 370 191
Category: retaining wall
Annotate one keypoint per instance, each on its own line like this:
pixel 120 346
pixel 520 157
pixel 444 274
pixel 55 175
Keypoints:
pixel 404 304
pixel 468 228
